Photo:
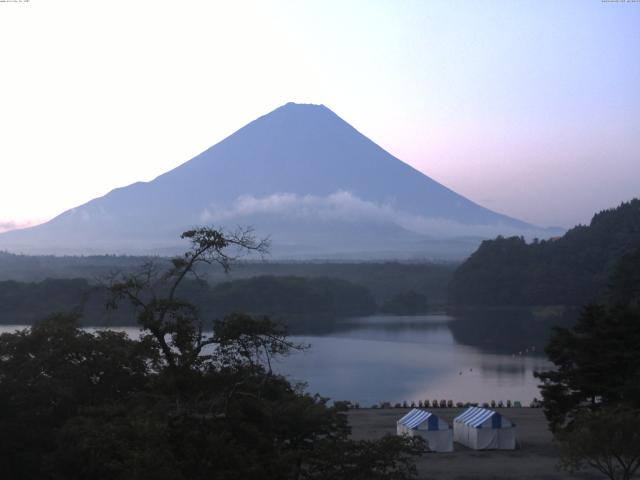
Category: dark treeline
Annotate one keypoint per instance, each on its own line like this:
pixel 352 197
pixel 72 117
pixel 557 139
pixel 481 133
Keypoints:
pixel 406 303
pixel 26 303
pixel 571 270
pixel 35 268
pixel 291 295
pixel 382 279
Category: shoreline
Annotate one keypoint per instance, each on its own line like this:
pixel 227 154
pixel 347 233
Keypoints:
pixel 536 458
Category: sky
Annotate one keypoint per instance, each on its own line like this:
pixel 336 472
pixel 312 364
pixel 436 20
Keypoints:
pixel 530 108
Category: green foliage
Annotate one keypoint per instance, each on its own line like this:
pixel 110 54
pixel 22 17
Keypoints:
pixel 50 373
pixel 80 405
pixel 389 458
pixel 592 397
pixel 24 303
pixel 176 403
pixel 607 440
pixel 624 288
pixel 571 270
pixel 597 364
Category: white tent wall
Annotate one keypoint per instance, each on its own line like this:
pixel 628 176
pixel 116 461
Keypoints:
pixel 486 438
pixel 494 439
pixel 437 433
pixel 436 440
pixel 482 429
pixel 463 433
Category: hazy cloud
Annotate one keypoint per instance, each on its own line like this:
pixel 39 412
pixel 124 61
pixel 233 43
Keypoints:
pixel 6 225
pixel 345 206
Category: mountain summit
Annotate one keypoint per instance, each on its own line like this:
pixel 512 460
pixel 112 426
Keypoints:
pixel 299 174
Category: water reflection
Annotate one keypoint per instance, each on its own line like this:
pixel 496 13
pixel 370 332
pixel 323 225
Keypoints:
pixel 491 356
pixel 475 356
pixel 511 331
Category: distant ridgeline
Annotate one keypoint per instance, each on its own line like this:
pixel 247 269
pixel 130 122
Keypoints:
pixel 384 280
pixel 571 270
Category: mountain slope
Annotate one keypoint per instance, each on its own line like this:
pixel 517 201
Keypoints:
pixel 300 174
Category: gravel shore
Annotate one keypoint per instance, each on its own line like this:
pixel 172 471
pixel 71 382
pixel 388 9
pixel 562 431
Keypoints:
pixel 537 457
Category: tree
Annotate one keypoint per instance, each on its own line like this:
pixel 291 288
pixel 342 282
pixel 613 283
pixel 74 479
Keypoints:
pixel 592 397
pixel 607 440
pixel 568 270
pixel 49 373
pixel 154 293
pixel 624 284
pixel 597 364
pixel 185 401
pixel 387 459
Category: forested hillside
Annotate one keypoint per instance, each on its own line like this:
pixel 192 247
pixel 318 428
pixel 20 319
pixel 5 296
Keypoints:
pixel 570 270
pixel 383 279
pixel 26 303
pixel 292 295
pixel 625 282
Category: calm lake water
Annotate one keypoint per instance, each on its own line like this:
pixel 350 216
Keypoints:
pixel 437 356
pixel 395 358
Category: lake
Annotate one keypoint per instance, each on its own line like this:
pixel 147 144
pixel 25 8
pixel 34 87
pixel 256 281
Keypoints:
pixel 475 357
pixel 397 358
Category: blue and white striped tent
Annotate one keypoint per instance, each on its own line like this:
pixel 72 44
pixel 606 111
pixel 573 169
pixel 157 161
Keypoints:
pixel 435 431
pixel 483 429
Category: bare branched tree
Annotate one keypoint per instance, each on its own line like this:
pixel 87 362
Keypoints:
pixel 153 291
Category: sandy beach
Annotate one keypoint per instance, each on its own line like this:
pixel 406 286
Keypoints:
pixel 537 457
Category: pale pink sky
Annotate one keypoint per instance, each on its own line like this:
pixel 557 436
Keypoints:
pixel 529 108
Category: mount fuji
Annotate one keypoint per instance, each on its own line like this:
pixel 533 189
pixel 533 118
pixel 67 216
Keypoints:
pixel 301 175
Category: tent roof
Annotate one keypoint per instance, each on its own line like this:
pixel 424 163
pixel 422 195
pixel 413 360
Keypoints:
pixel 415 418
pixel 475 416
